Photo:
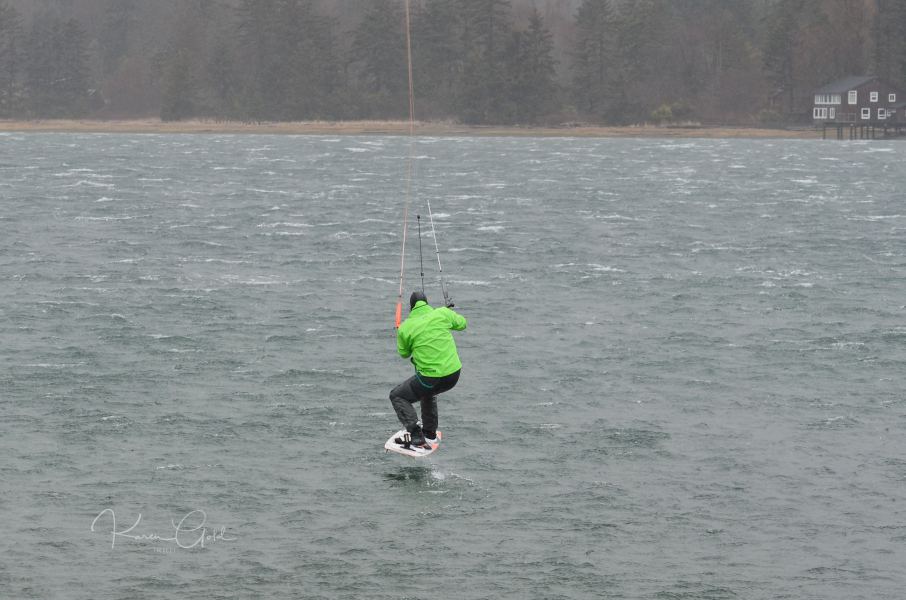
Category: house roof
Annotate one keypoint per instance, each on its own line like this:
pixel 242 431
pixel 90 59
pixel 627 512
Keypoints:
pixel 845 84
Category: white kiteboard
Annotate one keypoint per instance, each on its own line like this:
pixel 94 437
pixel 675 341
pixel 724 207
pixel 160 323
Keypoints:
pixel 391 446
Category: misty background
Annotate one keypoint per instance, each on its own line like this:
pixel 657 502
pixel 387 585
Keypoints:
pixel 547 62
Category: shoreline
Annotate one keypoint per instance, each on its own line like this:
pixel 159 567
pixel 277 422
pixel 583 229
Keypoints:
pixel 389 128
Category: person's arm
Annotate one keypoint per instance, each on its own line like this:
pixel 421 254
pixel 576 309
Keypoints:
pixel 402 345
pixel 457 321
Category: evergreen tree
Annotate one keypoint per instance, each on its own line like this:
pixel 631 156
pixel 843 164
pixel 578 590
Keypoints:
pixel 76 79
pixel 847 33
pixel 486 33
pixel 316 82
pixel 438 55
pixel 717 66
pixel 532 85
pixel 780 49
pixel 40 70
pixel 262 73
pixel 641 61
pixel 329 75
pixel 811 42
pixel 181 67
pixel 10 55
pixel 57 79
pixel 286 60
pixel 594 80
pixel 221 80
pixel 293 61
pixel 119 21
pixel 283 60
pixel 889 52
pixel 177 101
pixel 379 52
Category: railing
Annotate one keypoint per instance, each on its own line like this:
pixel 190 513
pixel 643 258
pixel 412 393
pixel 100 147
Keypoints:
pixel 852 118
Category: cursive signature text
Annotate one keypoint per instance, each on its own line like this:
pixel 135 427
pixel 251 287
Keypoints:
pixel 190 532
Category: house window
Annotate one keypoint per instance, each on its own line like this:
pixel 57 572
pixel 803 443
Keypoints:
pixel 891 97
pixel 819 113
pixel 873 97
pixel 882 114
pixel 827 99
pixel 866 113
pixel 853 97
pixel 832 113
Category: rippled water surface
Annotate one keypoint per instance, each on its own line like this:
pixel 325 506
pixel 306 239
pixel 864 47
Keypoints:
pixel 683 373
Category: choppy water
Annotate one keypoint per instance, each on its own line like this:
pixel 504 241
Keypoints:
pixel 684 369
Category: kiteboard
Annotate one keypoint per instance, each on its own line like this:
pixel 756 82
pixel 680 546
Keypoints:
pixel 411 451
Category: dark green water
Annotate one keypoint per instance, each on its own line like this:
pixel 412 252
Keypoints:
pixel 683 373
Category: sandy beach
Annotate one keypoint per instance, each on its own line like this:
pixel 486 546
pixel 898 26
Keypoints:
pixel 391 128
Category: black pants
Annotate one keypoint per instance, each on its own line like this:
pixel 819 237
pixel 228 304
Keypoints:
pixel 419 388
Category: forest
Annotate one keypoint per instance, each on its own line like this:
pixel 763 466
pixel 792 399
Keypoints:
pixel 507 62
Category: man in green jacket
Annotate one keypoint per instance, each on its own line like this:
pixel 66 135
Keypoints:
pixel 425 338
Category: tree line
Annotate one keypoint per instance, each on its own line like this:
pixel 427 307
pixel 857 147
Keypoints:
pixel 474 61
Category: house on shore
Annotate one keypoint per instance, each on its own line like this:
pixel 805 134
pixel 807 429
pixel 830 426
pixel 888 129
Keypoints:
pixel 862 104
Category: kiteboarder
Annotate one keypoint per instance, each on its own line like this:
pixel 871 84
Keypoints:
pixel 425 338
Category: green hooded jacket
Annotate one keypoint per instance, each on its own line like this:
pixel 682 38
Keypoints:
pixel 425 336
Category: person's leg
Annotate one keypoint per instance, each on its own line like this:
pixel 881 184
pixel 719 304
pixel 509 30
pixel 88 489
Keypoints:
pixel 431 386
pixel 402 397
pixel 429 416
